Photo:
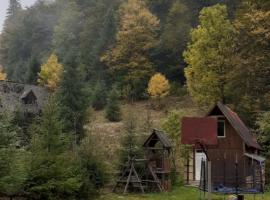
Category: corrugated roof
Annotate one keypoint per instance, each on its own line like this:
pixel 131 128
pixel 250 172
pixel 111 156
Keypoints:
pixel 162 137
pixel 237 124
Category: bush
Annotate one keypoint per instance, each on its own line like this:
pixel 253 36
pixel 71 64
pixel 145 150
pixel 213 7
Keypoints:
pixel 113 112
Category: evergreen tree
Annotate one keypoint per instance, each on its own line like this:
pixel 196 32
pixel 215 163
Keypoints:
pixel 99 98
pixel 66 40
pixel 129 146
pixel 208 56
pixel 33 69
pixel 52 173
pixel 174 38
pixel 113 112
pixel 91 167
pixel 98 31
pixel 136 37
pixel 14 8
pixel 13 160
pixel 72 97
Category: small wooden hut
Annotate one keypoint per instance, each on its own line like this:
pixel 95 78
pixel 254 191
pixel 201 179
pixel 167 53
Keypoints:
pixel 158 154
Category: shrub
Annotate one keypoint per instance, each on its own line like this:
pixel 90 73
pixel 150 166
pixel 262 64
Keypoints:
pixel 99 98
pixel 113 112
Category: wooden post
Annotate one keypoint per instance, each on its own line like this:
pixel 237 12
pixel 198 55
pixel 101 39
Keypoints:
pixel 187 171
pixel 209 182
pixel 236 176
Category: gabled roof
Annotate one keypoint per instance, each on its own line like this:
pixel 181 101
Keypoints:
pixel 158 136
pixel 237 124
pixel 26 93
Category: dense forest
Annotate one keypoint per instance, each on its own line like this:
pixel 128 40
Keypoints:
pixel 91 54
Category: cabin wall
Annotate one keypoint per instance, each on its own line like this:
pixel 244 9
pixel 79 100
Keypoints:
pixel 224 156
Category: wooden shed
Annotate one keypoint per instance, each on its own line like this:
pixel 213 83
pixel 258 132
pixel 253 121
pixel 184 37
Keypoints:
pixel 235 145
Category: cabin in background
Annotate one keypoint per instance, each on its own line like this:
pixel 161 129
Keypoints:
pixel 235 144
pixel 18 97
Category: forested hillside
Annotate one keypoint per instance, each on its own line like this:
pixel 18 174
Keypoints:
pixel 124 43
pixel 92 30
pixel 120 59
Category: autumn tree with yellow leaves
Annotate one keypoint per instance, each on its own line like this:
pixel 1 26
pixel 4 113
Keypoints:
pixel 50 73
pixel 158 88
pixel 129 59
pixel 3 75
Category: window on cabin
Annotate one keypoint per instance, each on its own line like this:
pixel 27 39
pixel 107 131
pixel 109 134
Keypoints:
pixel 221 129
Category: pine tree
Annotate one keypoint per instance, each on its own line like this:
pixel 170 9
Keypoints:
pixel 13 160
pixel 52 173
pixel 66 39
pixel 72 97
pixel 113 112
pixel 98 31
pixel 129 147
pixel 14 7
pixel 33 69
pixel 99 97
pixel 92 168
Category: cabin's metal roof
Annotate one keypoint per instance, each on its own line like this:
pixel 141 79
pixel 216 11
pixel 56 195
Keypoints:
pixel 161 136
pixel 237 124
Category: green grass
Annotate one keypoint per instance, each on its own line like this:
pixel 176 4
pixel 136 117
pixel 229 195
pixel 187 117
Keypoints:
pixel 182 193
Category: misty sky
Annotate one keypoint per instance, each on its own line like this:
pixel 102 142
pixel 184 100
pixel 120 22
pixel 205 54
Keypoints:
pixel 4 6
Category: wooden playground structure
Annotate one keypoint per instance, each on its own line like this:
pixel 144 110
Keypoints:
pixel 151 173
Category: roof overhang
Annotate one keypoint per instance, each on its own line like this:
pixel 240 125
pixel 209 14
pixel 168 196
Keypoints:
pixel 255 157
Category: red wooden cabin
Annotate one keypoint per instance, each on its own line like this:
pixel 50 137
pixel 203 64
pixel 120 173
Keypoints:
pixel 233 142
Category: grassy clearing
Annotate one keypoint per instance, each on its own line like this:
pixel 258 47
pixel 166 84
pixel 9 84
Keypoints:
pixel 182 193
pixel 107 135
